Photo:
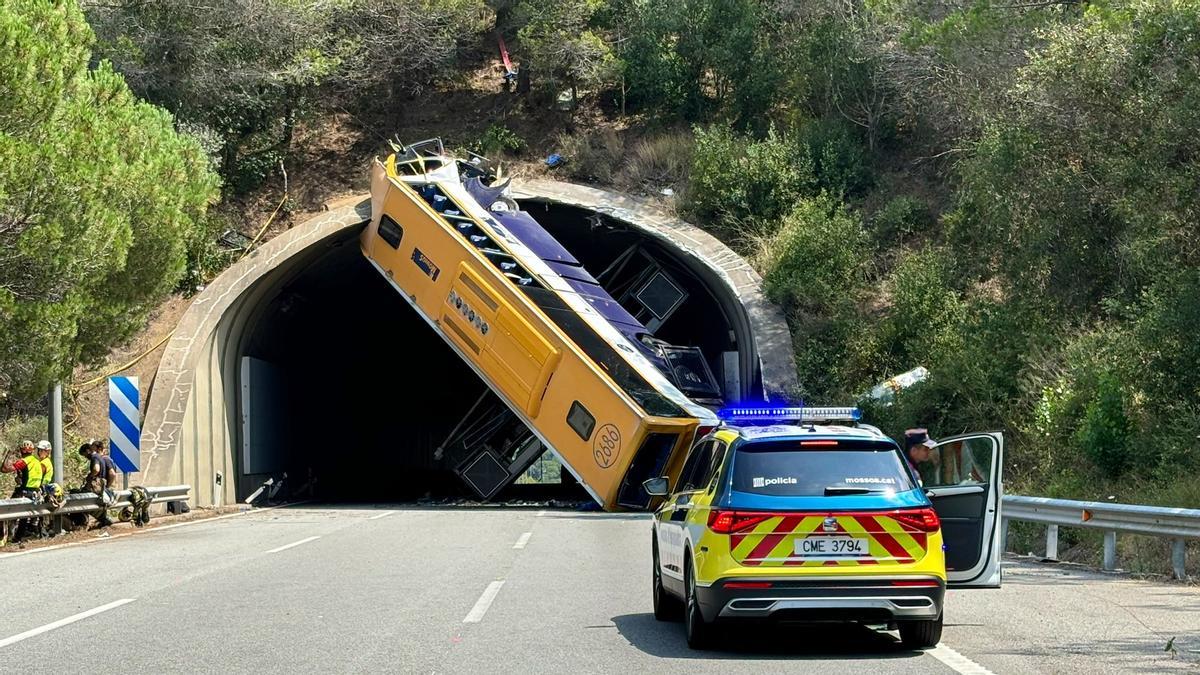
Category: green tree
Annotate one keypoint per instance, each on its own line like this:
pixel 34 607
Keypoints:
pixel 100 199
pixel 563 43
pixel 247 70
pixel 693 59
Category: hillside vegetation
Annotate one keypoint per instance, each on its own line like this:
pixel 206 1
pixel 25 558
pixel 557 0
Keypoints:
pixel 1005 193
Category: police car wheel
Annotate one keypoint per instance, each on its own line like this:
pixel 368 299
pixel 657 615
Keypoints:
pixel 666 607
pixel 698 631
pixel 921 634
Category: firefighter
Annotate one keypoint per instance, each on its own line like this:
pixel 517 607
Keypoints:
pixel 43 452
pixel 29 482
pixel 48 492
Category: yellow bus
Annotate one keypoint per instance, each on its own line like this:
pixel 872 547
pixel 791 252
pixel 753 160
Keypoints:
pixel 490 283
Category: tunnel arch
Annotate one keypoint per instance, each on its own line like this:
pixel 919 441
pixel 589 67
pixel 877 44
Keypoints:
pixel 193 428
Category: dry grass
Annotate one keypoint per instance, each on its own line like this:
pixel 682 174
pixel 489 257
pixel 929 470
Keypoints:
pixel 658 162
pixel 592 156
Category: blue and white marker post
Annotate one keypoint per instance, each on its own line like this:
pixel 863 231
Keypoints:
pixel 124 425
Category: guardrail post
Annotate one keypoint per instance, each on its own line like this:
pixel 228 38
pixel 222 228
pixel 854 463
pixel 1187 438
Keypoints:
pixel 1004 534
pixel 1110 550
pixel 1052 542
pixel 1178 558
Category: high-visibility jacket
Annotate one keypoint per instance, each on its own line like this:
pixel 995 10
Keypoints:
pixel 31 476
pixel 47 471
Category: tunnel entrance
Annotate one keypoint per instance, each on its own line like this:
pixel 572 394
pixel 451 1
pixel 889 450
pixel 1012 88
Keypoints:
pixel 342 383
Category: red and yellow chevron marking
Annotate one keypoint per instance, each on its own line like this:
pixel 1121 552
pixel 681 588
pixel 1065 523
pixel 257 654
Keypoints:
pixel 773 541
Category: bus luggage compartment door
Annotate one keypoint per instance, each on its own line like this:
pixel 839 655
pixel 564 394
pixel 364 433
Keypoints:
pixel 518 360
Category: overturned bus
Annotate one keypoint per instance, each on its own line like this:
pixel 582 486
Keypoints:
pixel 568 368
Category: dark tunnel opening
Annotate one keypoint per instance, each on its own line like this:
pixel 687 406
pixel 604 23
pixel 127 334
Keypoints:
pixel 341 381
pixel 351 387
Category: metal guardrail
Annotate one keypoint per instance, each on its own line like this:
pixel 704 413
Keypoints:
pixel 1179 525
pixel 85 502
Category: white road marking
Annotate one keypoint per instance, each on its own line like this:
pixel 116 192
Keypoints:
pixel 956 661
pixel 522 540
pixel 293 544
pixel 63 622
pixel 385 514
pixel 484 602
pixel 155 529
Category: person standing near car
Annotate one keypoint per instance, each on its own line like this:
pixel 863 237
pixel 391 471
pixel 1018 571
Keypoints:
pixel 918 449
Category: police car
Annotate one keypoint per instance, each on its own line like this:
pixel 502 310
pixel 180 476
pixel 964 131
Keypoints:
pixel 805 514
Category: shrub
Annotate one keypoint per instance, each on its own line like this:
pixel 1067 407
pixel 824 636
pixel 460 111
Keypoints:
pixel 900 219
pixel 499 140
pixel 840 160
pixel 735 178
pixel 250 171
pixel 816 257
pixel 925 322
pixel 1104 433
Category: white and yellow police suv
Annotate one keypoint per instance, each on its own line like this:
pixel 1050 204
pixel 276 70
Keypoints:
pixel 805 514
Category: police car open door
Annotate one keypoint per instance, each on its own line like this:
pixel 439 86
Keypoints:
pixel 962 479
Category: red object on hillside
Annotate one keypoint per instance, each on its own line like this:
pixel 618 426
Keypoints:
pixel 508 66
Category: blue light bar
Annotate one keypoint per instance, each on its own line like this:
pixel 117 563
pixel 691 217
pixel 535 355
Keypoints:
pixel 787 414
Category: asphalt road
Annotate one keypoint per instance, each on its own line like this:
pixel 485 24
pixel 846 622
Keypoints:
pixel 400 589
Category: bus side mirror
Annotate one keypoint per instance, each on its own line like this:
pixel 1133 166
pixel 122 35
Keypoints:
pixel 656 487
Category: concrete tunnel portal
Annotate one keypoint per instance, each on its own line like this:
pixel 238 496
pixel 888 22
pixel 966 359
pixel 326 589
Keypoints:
pixel 303 360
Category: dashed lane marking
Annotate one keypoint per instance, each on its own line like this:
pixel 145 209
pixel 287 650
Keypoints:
pixel 63 622
pixel 385 514
pixel 522 540
pixel 293 544
pixel 484 602
pixel 956 661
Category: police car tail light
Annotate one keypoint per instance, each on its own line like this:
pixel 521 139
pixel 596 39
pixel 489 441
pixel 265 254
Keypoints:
pixel 925 520
pixel 728 522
